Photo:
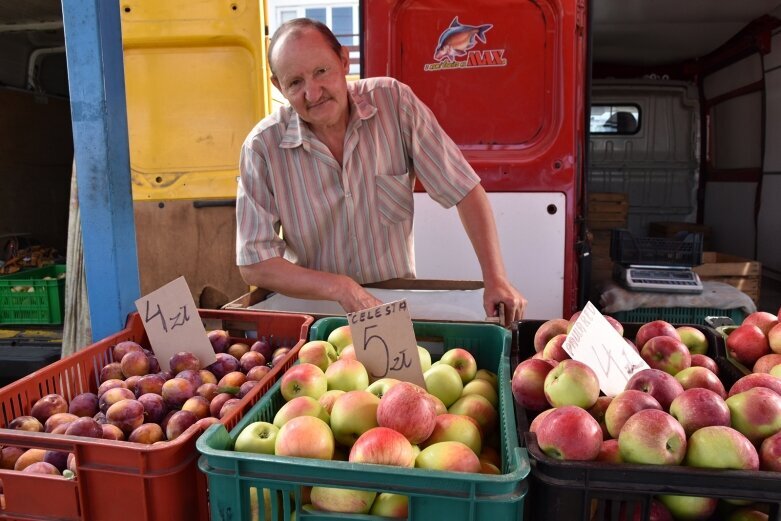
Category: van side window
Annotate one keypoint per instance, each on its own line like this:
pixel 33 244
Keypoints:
pixel 615 119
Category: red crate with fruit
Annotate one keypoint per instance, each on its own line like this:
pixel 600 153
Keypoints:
pixel 104 434
pixel 681 439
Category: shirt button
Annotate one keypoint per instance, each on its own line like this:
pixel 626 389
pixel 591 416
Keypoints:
pixel 348 194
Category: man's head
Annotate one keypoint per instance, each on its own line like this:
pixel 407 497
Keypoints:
pixel 308 66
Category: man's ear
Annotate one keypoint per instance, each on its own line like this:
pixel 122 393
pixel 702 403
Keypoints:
pixel 346 59
pixel 275 82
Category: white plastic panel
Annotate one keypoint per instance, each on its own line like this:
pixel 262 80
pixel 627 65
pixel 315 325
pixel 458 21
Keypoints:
pixel 739 74
pixel 729 211
pixel 532 242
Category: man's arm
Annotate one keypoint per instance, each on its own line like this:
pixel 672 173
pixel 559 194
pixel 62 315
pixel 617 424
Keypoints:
pixel 478 220
pixel 282 276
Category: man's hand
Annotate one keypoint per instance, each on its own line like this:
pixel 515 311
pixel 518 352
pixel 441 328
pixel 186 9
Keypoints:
pixel 353 297
pixel 504 292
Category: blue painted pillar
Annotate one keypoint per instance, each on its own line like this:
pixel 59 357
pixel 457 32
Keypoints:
pixel 96 80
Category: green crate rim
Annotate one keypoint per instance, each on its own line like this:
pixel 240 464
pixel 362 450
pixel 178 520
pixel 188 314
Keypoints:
pixel 44 306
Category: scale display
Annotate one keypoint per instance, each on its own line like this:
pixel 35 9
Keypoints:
pixel 668 280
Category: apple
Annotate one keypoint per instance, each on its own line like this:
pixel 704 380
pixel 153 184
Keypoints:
pixel 383 446
pixel 352 414
pixel 765 363
pixel 689 507
pixel 755 380
pixel 774 338
pixel 598 412
pixel 528 381
pixel 548 330
pixel 662 386
pixel 347 375
pixel 571 383
pixel 609 452
pixel 652 437
pixel 300 406
pixel 448 455
pixel 666 353
pixel 554 349
pixel 463 361
pixel 749 513
pixel 328 398
pixel 483 388
pixel 390 505
pixel 770 453
pixel 653 329
pixel 756 413
pixel 303 379
pixel 348 352
pixel 693 377
pixel 343 500
pixel 747 344
pixel 456 427
pixel 425 358
pixel 569 433
pixel 381 386
pixel 485 374
pixel 624 405
pixel 405 407
pixel 340 338
pixel 618 326
pixel 775 371
pixel 706 362
pixel 444 382
pixel 721 447
pixel 478 408
pixel 762 319
pixel 439 406
pixel 305 437
pixel 694 339
pixel 317 352
pixel 258 437
pixel 698 407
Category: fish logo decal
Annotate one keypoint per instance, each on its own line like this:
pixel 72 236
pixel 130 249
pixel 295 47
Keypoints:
pixel 458 39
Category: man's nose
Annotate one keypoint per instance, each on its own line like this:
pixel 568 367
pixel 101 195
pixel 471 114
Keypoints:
pixel 313 90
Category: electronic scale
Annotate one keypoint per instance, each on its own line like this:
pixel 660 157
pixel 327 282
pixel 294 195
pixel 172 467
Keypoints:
pixel 668 279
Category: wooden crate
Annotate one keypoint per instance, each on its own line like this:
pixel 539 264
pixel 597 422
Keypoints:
pixel 744 274
pixel 607 211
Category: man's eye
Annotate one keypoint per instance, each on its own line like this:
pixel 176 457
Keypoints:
pixel 322 70
pixel 293 83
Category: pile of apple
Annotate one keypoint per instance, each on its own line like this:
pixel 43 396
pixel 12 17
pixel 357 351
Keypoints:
pixel 677 412
pixel 138 402
pixel 333 412
pixel 756 343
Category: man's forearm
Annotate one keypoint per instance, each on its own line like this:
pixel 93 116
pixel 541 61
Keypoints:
pixel 478 220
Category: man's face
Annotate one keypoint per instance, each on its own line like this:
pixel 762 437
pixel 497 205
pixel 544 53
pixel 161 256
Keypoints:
pixel 311 76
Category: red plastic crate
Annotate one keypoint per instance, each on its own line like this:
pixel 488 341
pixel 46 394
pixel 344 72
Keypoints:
pixel 123 480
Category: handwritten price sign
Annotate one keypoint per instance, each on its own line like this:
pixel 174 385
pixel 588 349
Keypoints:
pixel 597 344
pixel 172 323
pixel 385 343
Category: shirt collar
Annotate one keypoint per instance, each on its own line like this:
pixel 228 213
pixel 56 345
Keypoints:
pixel 296 132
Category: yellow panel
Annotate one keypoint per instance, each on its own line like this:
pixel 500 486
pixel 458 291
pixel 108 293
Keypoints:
pixel 196 83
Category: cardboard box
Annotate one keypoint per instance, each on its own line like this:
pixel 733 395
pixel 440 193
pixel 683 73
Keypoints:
pixel 743 274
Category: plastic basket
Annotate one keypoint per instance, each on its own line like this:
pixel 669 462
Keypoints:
pixel 625 248
pixel 432 494
pixel 41 301
pixel 578 490
pixel 677 315
pixel 725 331
pixel 118 479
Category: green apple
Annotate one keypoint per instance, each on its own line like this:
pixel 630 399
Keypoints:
pixel 694 339
pixel 483 388
pixel 317 352
pixel 348 375
pixel 352 414
pixel 756 413
pixel 463 361
pixel 444 382
pixel 720 447
pixel 390 505
pixel 689 507
pixel 340 338
pixel 300 406
pixel 328 398
pixel 425 359
pixel 456 427
pixel 257 437
pixel 489 376
pixel 381 386
pixel 448 455
pixel 571 383
pixel 344 500
pixel 478 408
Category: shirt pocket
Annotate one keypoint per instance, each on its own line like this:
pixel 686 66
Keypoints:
pixel 394 198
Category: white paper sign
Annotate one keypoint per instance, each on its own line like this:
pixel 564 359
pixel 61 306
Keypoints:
pixel 172 323
pixel 597 344
pixel 385 343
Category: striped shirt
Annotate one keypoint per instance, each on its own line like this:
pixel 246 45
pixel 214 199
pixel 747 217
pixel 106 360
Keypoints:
pixel 355 219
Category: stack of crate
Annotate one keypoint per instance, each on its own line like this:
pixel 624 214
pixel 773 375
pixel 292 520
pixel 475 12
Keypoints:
pixel 744 274
pixel 605 212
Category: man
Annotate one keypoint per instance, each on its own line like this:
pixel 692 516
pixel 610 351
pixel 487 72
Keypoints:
pixel 335 172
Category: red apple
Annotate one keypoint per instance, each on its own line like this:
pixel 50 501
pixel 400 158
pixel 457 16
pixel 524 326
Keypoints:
pixel 535 423
pixel 765 363
pixel 405 407
pixel 569 433
pixel 456 427
pixel 697 407
pixel 756 413
pixel 769 453
pixel 527 384
pixel 352 414
pixel 548 330
pixel 747 344
pixel 305 437
pixel 598 412
pixel 554 349
pixel 662 386
pixel 609 452
pixel 692 377
pixel 652 437
pixel 706 362
pixel 383 446
pixel 303 379
pixel 756 380
pixel 453 456
pixel 653 329
pixel 479 409
pixel 666 353
pixel 624 405
pixel 762 319
pixel 774 338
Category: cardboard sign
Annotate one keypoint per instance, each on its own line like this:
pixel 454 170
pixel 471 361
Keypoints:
pixel 385 344
pixel 597 344
pixel 172 323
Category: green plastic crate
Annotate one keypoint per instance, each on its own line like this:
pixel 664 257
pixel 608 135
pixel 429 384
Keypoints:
pixel 43 303
pixel 432 494
pixel 678 315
